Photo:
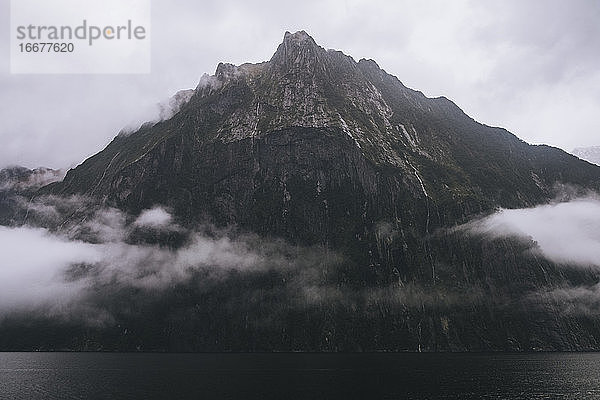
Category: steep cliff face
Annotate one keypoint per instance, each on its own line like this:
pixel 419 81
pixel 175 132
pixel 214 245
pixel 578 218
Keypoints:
pixel 319 149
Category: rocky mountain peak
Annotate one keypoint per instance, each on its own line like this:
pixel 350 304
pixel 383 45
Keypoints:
pixel 226 71
pixel 298 51
pixel 300 37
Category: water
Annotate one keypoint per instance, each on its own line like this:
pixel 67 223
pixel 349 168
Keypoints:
pixel 299 376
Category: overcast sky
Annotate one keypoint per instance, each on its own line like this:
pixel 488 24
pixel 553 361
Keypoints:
pixel 531 66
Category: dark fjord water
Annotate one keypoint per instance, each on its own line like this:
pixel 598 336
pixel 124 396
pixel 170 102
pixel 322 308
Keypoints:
pixel 299 376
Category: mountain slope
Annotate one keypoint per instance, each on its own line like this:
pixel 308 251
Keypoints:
pixel 317 148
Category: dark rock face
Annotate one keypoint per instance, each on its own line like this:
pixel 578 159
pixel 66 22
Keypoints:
pixel 318 149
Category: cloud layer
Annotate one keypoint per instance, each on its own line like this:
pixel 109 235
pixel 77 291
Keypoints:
pixel 59 271
pixel 98 269
pixel 85 248
pixel 567 232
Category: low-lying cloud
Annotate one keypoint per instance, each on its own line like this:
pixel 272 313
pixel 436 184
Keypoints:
pixel 86 255
pixel 156 217
pixel 579 300
pixel 566 233
pixel 75 263
pixel 57 271
pixel 33 263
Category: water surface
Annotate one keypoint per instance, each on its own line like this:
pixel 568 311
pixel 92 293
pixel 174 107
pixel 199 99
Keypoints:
pixel 299 376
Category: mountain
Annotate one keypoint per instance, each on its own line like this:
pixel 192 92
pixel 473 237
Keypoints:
pixel 590 154
pixel 17 177
pixel 317 148
pixel 326 153
pixel 21 181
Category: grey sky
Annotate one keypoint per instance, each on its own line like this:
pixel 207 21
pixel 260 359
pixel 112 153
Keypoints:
pixel 530 66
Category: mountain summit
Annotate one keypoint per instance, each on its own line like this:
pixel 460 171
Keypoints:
pixel 297 50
